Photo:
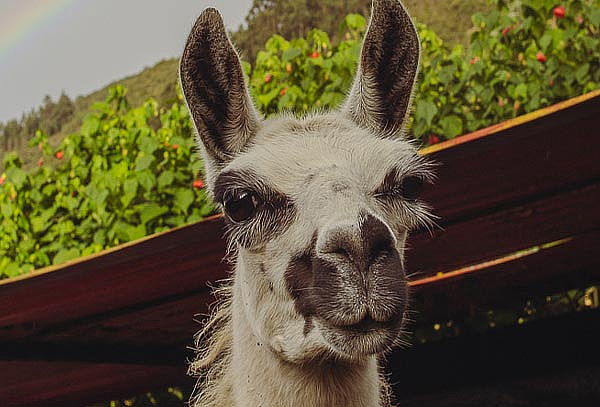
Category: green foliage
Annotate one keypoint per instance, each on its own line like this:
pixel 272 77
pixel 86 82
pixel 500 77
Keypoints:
pixel 501 75
pixel 518 61
pixel 309 73
pixel 125 174
pixel 171 396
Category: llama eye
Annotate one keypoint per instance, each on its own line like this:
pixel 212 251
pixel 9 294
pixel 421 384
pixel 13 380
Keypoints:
pixel 241 205
pixel 410 187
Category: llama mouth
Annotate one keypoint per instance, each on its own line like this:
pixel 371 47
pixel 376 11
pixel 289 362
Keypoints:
pixel 368 326
pixel 368 337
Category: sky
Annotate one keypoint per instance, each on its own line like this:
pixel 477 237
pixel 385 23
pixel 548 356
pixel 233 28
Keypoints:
pixel 78 46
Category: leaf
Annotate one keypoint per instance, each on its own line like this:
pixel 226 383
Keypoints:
pixel 165 179
pixel 119 170
pixel 130 187
pixel 12 270
pixel 6 209
pixel 136 232
pixel 151 211
pixel 38 224
pixel 451 126
pixel 146 180
pixel 126 232
pixel 17 176
pixel 143 161
pixel 426 110
pixel 520 91
pixel 90 125
pixel 184 198
pixel 545 41
pixel 148 145
pixel 290 54
pixel 65 255
pixel 581 72
pixel 355 21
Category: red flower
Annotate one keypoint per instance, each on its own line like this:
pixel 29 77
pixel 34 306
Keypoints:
pixel 40 162
pixel 474 60
pixel 559 11
pixel 541 57
pixel 315 54
pixel 505 31
pixel 433 139
pixel 198 184
pixel 175 146
pixel 2 179
pixel 283 91
pixel 268 78
pixel 59 155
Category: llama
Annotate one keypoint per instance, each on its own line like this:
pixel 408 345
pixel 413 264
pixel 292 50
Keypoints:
pixel 317 211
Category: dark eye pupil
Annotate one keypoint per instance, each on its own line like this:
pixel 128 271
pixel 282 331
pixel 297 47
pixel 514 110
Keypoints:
pixel 411 187
pixel 241 205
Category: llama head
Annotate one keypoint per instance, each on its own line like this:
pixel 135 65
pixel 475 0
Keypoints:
pixel 317 208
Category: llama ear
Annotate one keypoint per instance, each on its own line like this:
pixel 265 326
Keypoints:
pixel 382 90
pixel 216 94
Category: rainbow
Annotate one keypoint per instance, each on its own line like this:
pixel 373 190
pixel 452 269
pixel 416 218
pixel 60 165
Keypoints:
pixel 29 15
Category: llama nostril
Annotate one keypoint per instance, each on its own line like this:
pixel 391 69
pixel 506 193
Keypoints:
pixel 340 251
pixel 380 249
pixel 363 246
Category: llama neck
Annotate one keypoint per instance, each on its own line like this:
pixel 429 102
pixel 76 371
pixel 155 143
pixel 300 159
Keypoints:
pixel 262 378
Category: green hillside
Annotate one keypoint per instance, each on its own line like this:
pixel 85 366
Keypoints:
pixel 158 82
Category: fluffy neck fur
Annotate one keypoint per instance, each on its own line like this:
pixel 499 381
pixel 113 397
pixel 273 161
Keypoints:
pixel 238 370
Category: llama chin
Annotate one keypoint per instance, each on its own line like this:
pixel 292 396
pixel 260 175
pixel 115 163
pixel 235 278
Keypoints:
pixel 318 209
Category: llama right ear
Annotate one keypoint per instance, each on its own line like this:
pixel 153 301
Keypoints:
pixel 213 85
pixel 381 95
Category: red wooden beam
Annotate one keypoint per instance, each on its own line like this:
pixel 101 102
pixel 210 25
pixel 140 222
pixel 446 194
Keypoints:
pixel 37 383
pixel 505 231
pixel 572 263
pixel 536 154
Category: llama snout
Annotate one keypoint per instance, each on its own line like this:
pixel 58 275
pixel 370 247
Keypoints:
pixel 360 275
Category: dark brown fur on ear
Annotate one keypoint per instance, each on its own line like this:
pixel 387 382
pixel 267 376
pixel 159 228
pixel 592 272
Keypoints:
pixel 381 95
pixel 213 85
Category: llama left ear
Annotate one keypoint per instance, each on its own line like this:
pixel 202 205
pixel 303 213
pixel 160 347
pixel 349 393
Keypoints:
pixel 382 91
pixel 213 84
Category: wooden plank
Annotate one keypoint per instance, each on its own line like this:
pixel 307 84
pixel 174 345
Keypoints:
pixel 171 323
pixel 573 263
pixel 544 345
pixel 173 263
pixel 39 383
pixel 542 152
pixel 160 333
pixel 505 231
pixel 501 353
